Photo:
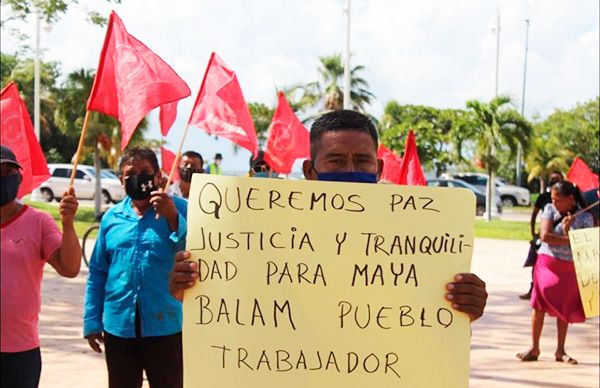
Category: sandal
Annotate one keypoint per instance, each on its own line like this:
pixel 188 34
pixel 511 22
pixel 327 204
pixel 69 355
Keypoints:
pixel 528 356
pixel 566 359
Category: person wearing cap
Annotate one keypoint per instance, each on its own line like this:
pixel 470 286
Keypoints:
pixel 215 166
pixel 30 239
pixel 259 168
pixel 190 163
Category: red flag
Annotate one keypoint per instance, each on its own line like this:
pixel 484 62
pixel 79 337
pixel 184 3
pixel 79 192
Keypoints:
pixel 391 164
pixel 168 114
pixel 131 80
pixel 167 159
pixel 411 172
pixel 18 135
pixel 220 108
pixel 288 140
pixel 582 176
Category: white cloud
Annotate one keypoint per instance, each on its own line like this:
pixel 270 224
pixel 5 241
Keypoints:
pixel 431 52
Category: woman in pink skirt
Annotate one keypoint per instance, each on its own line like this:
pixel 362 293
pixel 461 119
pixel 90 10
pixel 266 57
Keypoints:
pixel 555 288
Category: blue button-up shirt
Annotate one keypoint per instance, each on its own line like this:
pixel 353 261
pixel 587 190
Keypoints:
pixel 129 267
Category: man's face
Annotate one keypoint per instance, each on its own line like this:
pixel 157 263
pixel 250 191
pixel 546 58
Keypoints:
pixel 8 169
pixel 554 178
pixel 344 151
pixel 191 162
pixel 139 167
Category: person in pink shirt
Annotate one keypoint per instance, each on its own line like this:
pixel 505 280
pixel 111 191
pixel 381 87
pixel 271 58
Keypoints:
pixel 30 239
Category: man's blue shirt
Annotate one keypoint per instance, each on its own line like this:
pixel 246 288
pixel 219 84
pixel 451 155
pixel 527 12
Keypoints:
pixel 129 267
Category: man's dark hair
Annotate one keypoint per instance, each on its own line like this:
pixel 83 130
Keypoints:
pixel 559 173
pixel 139 153
pixel 341 120
pixel 193 154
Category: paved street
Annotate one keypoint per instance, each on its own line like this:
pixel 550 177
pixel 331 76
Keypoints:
pixel 497 337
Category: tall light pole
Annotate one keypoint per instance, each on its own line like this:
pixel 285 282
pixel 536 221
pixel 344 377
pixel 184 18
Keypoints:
pixel 36 78
pixel 347 101
pixel 491 187
pixel 519 150
pixel 497 51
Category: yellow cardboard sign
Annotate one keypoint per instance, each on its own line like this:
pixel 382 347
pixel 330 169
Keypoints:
pixel 585 246
pixel 325 284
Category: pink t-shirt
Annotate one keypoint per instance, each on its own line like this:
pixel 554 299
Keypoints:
pixel 28 241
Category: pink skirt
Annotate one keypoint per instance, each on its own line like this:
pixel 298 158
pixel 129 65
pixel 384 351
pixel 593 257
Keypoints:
pixel 555 289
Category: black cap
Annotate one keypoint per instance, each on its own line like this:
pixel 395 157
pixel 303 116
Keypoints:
pixel 218 156
pixel 7 156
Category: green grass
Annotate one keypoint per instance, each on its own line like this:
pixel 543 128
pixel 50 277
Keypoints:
pixel 503 230
pixel 83 219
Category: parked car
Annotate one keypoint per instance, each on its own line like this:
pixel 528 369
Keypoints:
pixel 480 206
pixel 510 195
pixel 84 183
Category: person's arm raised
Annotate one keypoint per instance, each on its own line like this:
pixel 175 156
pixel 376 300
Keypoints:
pixel 67 259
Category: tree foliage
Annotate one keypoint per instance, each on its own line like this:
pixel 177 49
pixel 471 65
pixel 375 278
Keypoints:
pixel 327 93
pixel 563 136
pixel 50 10
pixel 441 133
pixel 261 116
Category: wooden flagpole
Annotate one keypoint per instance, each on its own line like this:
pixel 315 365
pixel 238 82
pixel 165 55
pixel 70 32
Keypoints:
pixel 79 147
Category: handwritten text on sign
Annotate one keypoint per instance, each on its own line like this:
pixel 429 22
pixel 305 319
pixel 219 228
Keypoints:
pixel 585 246
pixel 316 284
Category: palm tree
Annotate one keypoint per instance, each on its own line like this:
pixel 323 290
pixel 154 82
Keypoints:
pixel 542 160
pixel 496 126
pixel 327 93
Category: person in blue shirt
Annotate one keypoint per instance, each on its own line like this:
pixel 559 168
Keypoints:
pixel 128 306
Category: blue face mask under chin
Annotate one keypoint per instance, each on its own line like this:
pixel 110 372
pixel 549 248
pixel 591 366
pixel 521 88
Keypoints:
pixel 359 177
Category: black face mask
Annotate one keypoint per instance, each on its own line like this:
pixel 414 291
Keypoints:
pixel 139 186
pixel 185 173
pixel 10 188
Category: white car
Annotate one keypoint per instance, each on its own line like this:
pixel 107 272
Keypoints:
pixel 509 194
pixel 512 195
pixel 84 183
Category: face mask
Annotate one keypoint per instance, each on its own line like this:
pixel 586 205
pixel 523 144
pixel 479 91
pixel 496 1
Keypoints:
pixel 262 174
pixel 10 188
pixel 185 173
pixel 139 186
pixel 360 177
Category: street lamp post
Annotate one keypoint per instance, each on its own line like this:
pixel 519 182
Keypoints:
pixel 519 150
pixel 36 78
pixel 347 101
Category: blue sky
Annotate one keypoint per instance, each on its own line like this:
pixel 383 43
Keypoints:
pixel 438 53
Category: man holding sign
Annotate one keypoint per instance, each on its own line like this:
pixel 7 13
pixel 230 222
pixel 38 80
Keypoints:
pixel 343 148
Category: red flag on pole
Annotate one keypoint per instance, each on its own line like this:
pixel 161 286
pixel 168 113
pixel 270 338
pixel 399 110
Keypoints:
pixel 18 135
pixel 411 172
pixel 220 108
pixel 167 159
pixel 131 80
pixel 167 116
pixel 582 176
pixel 288 140
pixel 391 164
